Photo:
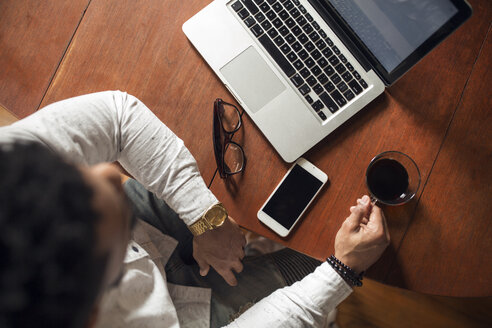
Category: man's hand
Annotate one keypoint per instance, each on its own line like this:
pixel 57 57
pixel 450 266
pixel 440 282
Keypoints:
pixel 363 236
pixel 221 248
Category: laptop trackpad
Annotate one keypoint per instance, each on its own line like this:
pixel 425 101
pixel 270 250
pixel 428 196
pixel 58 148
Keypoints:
pixel 252 79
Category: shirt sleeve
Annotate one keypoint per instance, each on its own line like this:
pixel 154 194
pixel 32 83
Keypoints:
pixel 306 303
pixel 114 126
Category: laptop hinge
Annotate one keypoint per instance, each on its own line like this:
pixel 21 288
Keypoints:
pixel 340 32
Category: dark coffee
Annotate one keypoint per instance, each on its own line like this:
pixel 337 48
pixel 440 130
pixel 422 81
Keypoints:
pixel 387 179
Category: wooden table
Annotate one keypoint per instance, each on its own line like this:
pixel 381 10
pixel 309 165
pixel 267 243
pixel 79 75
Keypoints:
pixel 439 113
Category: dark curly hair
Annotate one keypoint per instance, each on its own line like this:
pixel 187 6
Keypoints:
pixel 50 274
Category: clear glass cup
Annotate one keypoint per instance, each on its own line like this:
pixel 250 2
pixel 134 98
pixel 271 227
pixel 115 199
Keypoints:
pixel 392 178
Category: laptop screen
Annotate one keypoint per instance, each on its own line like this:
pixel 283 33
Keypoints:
pixel 398 33
pixel 393 29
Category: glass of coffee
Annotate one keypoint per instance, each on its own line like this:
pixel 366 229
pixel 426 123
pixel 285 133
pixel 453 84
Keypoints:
pixel 393 178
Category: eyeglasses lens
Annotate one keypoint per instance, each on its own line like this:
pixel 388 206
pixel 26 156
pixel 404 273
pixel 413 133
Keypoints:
pixel 229 117
pixel 233 158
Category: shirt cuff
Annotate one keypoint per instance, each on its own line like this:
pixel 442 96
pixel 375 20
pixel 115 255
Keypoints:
pixel 198 199
pixel 328 287
pixel 205 211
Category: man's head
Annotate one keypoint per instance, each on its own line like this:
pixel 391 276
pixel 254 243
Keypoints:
pixel 63 236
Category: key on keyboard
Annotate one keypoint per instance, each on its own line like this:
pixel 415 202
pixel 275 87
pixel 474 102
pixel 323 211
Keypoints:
pixel 309 45
pixel 279 58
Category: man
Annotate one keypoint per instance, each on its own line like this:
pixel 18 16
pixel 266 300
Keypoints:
pixel 65 227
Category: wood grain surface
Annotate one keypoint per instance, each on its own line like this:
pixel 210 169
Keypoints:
pixel 33 38
pixel 6 117
pixel 412 117
pixel 375 305
pixel 450 236
pixel 139 47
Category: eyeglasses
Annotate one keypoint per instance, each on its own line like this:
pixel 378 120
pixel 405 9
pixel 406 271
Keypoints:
pixel 228 154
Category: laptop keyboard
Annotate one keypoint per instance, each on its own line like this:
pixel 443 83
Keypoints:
pixel 303 51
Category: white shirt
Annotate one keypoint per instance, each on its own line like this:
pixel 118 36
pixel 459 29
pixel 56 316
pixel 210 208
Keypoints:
pixel 114 126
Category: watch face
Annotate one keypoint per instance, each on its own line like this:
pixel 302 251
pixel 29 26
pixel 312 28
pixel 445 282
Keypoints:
pixel 216 215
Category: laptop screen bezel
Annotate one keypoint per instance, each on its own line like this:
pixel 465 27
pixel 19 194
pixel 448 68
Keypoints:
pixel 389 77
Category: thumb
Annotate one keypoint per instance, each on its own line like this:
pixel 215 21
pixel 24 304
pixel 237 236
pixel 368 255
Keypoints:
pixel 204 267
pixel 358 212
pixel 204 270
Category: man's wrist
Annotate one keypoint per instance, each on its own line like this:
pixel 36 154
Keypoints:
pixel 350 262
pixel 347 273
pixel 213 218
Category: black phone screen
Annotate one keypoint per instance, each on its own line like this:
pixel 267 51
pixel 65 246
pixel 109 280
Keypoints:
pixel 292 196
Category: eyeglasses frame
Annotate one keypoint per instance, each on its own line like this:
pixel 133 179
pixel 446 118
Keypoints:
pixel 219 157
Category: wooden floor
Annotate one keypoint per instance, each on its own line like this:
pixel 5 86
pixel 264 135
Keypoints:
pixel 378 305
pixel 6 117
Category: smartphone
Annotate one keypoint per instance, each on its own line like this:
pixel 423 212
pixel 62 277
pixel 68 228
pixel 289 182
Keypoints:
pixel 290 199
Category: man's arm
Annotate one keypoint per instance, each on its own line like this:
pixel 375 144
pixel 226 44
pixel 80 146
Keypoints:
pixel 359 243
pixel 306 303
pixel 114 126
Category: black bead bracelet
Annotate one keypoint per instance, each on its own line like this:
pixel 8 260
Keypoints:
pixel 345 272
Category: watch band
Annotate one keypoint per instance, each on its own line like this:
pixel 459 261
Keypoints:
pixel 206 223
pixel 200 227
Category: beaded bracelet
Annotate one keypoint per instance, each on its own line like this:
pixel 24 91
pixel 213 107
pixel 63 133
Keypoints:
pixel 345 272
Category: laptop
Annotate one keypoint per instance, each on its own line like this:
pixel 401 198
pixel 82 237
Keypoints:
pixel 301 68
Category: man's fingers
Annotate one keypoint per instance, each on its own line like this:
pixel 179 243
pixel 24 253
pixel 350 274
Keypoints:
pixel 354 220
pixel 237 266
pixel 365 203
pixel 228 277
pixel 204 271
pixel 379 220
pixel 358 212
pixel 204 267
pixel 241 253
pixel 220 248
pixel 377 217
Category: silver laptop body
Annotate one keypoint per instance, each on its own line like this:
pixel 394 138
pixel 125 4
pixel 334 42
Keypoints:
pixel 294 101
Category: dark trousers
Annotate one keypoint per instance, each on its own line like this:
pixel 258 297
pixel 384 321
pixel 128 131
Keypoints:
pixel 261 275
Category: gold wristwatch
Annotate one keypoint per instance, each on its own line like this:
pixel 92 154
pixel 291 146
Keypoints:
pixel 213 218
